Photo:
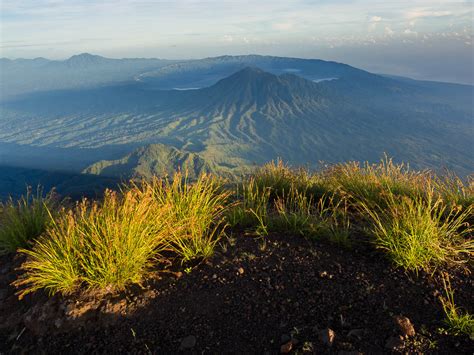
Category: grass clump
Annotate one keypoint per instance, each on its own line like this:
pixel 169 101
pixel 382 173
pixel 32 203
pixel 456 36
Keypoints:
pixel 251 207
pixel 114 243
pixel 371 182
pixel 22 221
pixel 454 191
pixel 198 207
pixel 420 233
pixel 294 212
pixel 104 245
pixel 457 322
pixel 281 179
pixel 334 220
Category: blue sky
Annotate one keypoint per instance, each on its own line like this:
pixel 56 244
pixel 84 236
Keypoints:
pixel 418 38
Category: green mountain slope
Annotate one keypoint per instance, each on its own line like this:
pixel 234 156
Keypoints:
pixel 154 159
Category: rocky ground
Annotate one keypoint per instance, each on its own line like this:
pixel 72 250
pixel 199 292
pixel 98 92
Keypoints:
pixel 257 295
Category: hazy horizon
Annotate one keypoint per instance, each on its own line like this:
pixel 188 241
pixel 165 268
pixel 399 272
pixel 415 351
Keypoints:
pixel 420 39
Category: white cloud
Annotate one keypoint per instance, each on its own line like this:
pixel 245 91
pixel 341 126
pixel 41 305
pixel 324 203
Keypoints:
pixel 389 31
pixel 373 22
pixel 424 12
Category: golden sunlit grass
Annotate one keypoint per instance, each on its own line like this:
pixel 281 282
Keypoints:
pixel 112 244
pixel 197 208
pixel 104 245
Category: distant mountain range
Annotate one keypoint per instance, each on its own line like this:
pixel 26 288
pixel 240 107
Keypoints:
pixel 147 116
pixel 23 76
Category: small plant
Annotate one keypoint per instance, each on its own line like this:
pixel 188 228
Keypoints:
pixel 199 207
pixel 251 208
pixel 280 179
pixel 369 183
pixel 334 220
pixel 294 213
pixel 457 321
pixel 454 191
pixel 23 221
pixel 420 233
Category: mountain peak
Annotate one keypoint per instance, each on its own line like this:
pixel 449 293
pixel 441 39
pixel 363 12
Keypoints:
pixel 250 70
pixel 84 56
pixel 248 76
pixel 254 87
pixel 84 59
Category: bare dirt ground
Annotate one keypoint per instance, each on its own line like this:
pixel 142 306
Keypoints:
pixel 277 294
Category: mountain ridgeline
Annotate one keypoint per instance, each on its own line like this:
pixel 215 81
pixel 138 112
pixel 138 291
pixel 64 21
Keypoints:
pixel 226 114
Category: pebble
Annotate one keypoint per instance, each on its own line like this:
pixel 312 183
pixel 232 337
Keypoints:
pixel 286 348
pixel 188 342
pixel 405 326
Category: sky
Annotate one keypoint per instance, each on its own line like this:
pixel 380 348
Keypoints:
pixel 422 39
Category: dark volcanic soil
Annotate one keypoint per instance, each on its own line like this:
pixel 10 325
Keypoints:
pixel 259 296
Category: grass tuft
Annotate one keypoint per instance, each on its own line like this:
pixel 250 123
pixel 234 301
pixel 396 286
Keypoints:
pixel 100 246
pixel 457 321
pixel 251 208
pixel 420 233
pixel 22 221
pixel 199 207
pixel 294 213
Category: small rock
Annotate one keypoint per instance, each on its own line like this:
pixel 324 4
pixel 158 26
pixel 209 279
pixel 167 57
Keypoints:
pixel 327 336
pixel 405 326
pixel 240 270
pixel 286 348
pixel 188 342
pixel 395 343
pixel 58 323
